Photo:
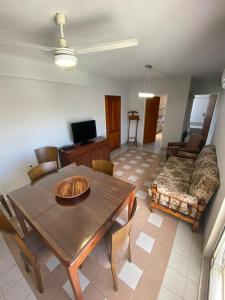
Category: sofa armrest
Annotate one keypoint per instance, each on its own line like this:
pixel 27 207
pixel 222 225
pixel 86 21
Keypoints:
pixel 191 150
pixel 176 144
pixel 185 154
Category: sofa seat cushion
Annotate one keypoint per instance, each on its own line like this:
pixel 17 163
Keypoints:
pixel 178 168
pixel 173 191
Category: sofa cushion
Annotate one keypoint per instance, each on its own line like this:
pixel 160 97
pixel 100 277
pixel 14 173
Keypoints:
pixel 173 192
pixel 178 168
pixel 205 177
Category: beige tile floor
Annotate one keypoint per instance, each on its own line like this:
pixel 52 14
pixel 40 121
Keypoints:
pixel 166 255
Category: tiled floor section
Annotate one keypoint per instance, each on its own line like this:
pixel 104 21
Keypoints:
pixel 166 255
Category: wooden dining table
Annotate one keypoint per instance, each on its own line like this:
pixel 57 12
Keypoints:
pixel 72 229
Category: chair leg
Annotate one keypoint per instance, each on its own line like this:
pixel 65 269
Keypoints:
pixel 113 269
pixel 129 251
pixel 27 268
pixel 195 226
pixel 37 274
pixel 5 205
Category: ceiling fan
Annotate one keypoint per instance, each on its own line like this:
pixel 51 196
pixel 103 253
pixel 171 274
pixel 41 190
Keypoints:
pixel 65 56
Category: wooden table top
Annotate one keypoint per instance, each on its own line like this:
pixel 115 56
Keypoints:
pixel 68 229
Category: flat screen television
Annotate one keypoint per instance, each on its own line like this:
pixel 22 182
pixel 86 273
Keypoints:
pixel 83 131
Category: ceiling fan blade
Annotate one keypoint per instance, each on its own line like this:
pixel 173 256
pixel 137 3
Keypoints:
pixel 25 44
pixel 106 46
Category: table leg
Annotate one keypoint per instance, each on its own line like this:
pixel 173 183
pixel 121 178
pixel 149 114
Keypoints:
pixel 20 219
pixel 130 205
pixel 75 281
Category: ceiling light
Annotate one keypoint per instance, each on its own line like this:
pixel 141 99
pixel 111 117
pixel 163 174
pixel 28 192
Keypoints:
pixel 147 93
pixel 65 58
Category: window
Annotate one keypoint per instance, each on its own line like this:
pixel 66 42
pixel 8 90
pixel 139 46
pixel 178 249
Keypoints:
pixel 217 272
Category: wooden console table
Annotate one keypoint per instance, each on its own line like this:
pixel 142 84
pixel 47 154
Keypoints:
pixel 84 154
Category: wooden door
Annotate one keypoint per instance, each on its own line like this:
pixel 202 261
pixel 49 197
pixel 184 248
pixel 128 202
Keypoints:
pixel 113 120
pixel 208 116
pixel 151 116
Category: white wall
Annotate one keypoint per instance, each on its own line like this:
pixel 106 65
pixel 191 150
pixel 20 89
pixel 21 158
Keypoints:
pixel 177 90
pixel 36 113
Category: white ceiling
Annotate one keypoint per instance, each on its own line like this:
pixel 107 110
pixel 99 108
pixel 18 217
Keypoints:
pixel 178 37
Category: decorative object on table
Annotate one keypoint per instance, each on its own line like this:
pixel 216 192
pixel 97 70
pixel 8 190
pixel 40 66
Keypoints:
pixel 46 154
pixel 42 170
pixel 104 166
pixel 133 116
pixel 192 146
pixel 71 187
pixel 147 93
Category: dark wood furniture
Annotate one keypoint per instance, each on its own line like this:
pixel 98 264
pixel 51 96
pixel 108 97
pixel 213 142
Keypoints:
pixel 194 145
pixel 104 166
pixel 33 251
pixel 133 116
pixel 118 238
pixel 113 120
pixel 41 170
pixel 46 154
pixel 84 154
pixel 72 231
pixel 151 117
pixel 5 205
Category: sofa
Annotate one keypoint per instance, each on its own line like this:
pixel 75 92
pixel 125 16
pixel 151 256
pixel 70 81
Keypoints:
pixel 186 184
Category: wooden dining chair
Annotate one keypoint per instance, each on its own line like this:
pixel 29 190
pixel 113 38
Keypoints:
pixel 41 170
pixel 32 250
pixel 119 237
pixel 113 243
pixel 5 205
pixel 46 154
pixel 104 166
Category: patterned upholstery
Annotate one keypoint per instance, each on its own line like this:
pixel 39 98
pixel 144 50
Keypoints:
pixel 191 181
pixel 205 177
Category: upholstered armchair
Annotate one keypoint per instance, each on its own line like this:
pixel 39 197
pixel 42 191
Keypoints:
pixel 185 149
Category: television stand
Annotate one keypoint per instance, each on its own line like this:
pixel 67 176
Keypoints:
pixel 83 154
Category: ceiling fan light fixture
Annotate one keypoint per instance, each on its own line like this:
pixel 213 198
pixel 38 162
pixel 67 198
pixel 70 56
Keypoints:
pixel 65 58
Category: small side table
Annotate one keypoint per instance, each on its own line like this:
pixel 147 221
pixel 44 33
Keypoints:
pixel 133 116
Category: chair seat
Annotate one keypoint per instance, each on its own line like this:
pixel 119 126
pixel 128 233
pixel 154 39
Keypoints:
pixel 37 247
pixel 102 251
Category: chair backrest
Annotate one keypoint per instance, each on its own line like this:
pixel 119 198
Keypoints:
pixel 195 141
pixel 5 225
pixel 46 154
pixel 41 170
pixel 119 237
pixel 104 166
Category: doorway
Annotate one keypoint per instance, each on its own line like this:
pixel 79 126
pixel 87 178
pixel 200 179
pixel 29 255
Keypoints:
pixel 201 114
pixel 113 121
pixel 155 110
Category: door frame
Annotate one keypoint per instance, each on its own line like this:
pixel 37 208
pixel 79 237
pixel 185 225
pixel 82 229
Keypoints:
pixel 117 98
pixel 145 115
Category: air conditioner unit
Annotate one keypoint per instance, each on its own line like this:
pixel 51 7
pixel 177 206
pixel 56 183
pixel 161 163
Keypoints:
pixel 223 79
